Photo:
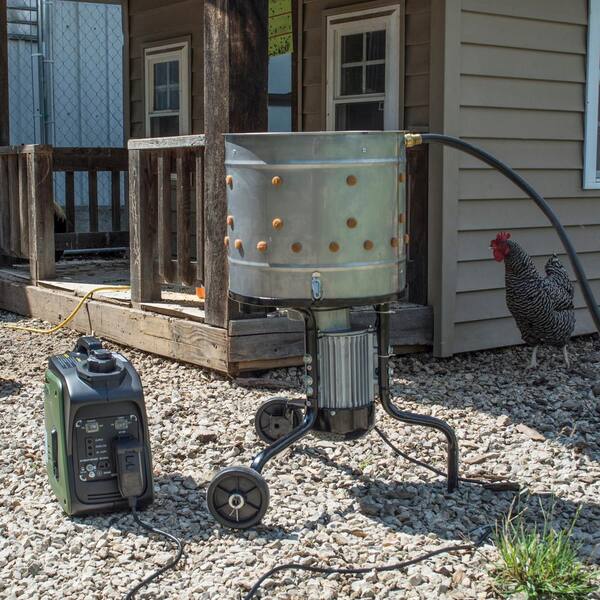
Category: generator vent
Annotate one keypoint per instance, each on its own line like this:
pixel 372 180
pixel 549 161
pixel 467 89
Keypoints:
pixel 347 369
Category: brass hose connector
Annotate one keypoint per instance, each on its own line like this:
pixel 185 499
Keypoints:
pixel 412 139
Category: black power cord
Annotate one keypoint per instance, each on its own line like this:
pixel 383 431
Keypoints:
pixel 495 486
pixel 169 565
pixel 485 534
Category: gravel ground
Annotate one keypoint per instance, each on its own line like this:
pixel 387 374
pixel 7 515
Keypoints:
pixel 330 504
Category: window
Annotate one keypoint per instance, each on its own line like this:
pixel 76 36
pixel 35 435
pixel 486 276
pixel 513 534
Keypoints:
pixel 591 173
pixel 167 90
pixel 363 70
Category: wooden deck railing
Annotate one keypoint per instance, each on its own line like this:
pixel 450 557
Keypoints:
pixel 92 161
pixel 27 194
pixel 160 169
pixel 26 209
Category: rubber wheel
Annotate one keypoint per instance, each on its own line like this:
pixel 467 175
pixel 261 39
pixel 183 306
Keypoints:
pixel 276 418
pixel 238 497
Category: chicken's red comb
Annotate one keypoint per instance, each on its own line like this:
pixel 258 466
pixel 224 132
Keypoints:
pixel 503 236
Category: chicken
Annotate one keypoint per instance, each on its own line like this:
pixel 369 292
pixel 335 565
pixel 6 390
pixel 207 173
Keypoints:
pixel 541 306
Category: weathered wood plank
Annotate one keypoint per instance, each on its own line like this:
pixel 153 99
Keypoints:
pixel 418 223
pixel 41 221
pixel 172 143
pixel 115 199
pixel 199 189
pixel 183 218
pixel 179 339
pixel 93 200
pixel 165 264
pixel 98 239
pixel 144 283
pixel 89 159
pixel 70 200
pixel 277 338
pixel 235 100
pixel 13 195
pixel 5 215
pixel 23 205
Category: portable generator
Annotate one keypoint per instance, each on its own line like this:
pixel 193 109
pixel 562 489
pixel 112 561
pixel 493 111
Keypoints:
pixel 97 442
pixel 316 225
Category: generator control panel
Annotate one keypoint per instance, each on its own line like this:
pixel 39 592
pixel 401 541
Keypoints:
pixel 94 442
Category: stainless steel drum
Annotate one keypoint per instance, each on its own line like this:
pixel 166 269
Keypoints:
pixel 316 218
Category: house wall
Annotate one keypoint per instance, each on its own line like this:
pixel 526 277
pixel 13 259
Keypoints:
pixel 416 59
pixel 152 21
pixel 519 68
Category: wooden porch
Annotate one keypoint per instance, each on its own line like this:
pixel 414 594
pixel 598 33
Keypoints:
pixel 163 201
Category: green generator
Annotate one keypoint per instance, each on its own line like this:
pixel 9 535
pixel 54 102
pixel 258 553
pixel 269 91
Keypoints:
pixel 96 430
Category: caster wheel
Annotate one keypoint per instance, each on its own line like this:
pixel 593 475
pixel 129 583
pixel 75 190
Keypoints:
pixel 238 497
pixel 276 418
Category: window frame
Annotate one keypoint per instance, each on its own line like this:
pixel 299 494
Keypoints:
pixel 179 51
pixel 348 23
pixel 591 173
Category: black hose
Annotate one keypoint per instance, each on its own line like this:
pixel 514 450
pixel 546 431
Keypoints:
pixel 168 565
pixel 487 158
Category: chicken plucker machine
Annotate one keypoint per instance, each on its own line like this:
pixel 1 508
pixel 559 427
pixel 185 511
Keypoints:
pixel 316 225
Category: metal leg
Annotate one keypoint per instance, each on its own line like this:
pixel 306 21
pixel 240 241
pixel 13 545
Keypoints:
pixel 312 402
pixel 383 343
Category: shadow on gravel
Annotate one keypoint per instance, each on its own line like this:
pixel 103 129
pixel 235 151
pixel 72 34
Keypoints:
pixel 562 405
pixel 8 387
pixel 423 508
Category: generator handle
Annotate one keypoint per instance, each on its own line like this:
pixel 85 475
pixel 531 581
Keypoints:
pixel 87 343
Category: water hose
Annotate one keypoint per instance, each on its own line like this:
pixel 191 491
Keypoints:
pixel 414 139
pixel 112 288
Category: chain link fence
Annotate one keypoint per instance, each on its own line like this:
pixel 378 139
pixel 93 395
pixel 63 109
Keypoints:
pixel 66 84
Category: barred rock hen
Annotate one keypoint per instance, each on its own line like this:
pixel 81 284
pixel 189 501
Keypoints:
pixel 541 306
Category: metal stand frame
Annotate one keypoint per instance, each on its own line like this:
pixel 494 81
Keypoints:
pixel 312 402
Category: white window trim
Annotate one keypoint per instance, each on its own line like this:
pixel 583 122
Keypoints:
pixel 156 54
pixel 591 178
pixel 367 20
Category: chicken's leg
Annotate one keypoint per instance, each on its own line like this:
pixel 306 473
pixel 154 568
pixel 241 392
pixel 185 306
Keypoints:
pixel 566 356
pixel 533 364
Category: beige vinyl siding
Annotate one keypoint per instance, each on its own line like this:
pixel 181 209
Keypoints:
pixel 154 21
pixel 522 97
pixel 416 59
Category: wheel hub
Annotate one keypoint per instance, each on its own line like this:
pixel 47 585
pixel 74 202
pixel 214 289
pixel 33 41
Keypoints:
pixel 236 501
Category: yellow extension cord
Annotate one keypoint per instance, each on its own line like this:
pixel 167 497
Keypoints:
pixel 113 288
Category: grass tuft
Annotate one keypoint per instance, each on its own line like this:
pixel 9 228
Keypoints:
pixel 541 564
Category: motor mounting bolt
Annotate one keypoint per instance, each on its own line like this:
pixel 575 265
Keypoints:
pixel 394 242
pixel 351 180
pixel 276 180
pixel 226 241
pixel 334 247
pixel 238 244
pixel 230 220
pixel 262 246
pixel 351 222
pixel 296 247
pixel 277 224
pixel 229 181
pixel 368 245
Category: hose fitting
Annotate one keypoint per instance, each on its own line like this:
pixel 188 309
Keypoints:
pixel 412 139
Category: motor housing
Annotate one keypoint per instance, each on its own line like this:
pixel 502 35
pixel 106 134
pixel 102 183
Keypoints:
pixel 92 398
pixel 347 383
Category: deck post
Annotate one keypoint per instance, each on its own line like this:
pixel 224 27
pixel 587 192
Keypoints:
pixel 41 216
pixel 145 286
pixel 235 100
